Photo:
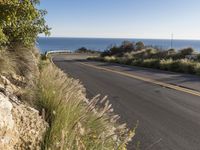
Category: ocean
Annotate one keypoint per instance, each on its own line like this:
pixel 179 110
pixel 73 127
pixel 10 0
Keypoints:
pixel 101 44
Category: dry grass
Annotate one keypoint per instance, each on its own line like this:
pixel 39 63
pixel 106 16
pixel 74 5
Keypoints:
pixel 76 124
pixel 7 64
pixel 22 63
pixel 26 62
pixel 179 65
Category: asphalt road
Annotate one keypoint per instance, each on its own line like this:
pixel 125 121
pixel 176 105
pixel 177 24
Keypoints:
pixel 168 119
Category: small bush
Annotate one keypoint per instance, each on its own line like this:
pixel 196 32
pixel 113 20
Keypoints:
pixel 187 66
pixel 119 51
pixel 198 57
pixel 127 61
pixel 186 51
pixel 197 69
pixel 151 63
pixel 106 53
pixel 85 50
pixel 110 59
pixel 137 62
pixel 166 64
pixel 184 66
pixel 127 46
pixel 171 51
pixel 44 57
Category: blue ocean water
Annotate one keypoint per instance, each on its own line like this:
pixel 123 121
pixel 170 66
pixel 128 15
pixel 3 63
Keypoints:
pixel 52 43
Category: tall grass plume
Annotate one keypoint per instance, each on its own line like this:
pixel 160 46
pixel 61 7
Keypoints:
pixel 75 122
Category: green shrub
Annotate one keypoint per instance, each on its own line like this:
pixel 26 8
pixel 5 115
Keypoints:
pixel 175 66
pixel 139 45
pixel 198 57
pixel 197 68
pixel 85 50
pixel 137 62
pixel 184 65
pixel 171 51
pixel 127 61
pixel 183 53
pixel 186 51
pixel 151 63
pixel 110 59
pixel 166 64
pixel 74 122
pixel 151 51
pixel 44 56
pixel 106 53
pixel 127 46
pixel 119 51
pixel 187 66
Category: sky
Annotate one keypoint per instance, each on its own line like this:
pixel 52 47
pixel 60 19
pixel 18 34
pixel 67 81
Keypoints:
pixel 154 19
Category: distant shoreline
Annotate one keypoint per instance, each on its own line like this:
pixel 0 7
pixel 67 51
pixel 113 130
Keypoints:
pixel 101 44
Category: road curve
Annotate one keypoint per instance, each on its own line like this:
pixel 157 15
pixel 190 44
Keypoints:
pixel 168 119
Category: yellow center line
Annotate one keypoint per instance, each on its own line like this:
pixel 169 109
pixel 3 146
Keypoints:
pixel 175 87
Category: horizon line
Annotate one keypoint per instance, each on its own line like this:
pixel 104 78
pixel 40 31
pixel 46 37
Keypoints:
pixel 118 38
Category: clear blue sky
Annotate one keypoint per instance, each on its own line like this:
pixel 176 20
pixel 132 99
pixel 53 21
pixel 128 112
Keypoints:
pixel 124 18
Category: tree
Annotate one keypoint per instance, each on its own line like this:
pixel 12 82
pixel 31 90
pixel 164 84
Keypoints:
pixel 186 51
pixel 139 46
pixel 127 46
pixel 21 22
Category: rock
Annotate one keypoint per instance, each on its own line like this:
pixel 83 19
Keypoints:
pixel 30 125
pixel 8 86
pixel 5 115
pixel 8 133
pixel 21 126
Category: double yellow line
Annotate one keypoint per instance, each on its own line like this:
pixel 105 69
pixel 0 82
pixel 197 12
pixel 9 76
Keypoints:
pixel 175 87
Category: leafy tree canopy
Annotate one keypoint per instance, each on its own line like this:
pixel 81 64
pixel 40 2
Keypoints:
pixel 21 22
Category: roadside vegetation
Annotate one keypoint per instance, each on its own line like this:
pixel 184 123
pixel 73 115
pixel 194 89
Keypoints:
pixel 74 121
pixel 137 54
pixel 85 50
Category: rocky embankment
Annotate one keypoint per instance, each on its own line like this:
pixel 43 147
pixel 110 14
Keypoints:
pixel 21 126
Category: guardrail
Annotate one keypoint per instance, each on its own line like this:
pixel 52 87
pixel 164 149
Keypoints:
pixel 57 51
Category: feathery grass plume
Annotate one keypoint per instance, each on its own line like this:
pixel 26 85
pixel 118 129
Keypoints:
pixel 110 58
pixel 7 64
pixel 75 122
pixel 24 62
